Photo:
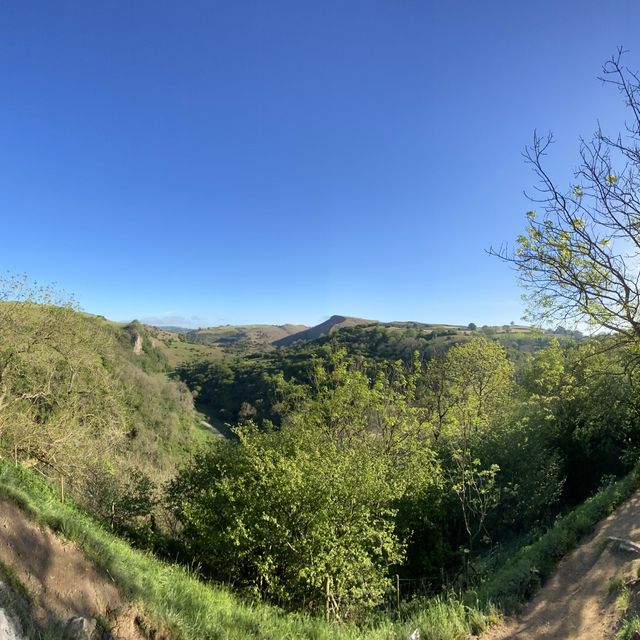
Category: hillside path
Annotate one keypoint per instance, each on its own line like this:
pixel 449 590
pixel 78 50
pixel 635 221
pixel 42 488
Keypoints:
pixel 575 602
pixel 61 580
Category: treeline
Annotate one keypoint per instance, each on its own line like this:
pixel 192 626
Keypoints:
pixel 235 389
pixel 426 470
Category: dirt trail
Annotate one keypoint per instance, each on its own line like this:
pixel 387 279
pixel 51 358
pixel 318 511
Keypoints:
pixel 575 602
pixel 63 583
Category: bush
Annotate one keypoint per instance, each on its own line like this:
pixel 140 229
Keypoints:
pixel 282 512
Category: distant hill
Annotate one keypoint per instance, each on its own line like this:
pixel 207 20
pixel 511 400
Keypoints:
pixel 251 337
pixel 371 338
pixel 328 326
pixel 172 329
pixel 257 338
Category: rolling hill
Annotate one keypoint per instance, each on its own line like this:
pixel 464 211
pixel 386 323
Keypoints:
pixel 244 340
pixel 252 337
pixel 328 326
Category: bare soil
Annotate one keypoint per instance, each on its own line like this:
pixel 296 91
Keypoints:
pixel 62 581
pixel 576 601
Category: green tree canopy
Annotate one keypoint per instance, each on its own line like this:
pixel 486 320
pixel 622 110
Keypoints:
pixel 279 511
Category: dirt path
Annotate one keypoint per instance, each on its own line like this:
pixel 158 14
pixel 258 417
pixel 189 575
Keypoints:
pixel 575 602
pixel 63 583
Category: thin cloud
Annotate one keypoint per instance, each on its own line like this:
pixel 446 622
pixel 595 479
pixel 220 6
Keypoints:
pixel 173 321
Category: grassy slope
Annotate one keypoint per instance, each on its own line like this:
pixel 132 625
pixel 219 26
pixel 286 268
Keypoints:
pixel 172 597
pixel 243 338
pixel 177 601
pixel 167 427
pixel 177 351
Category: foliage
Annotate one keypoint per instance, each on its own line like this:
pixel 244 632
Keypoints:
pixel 525 571
pixel 59 405
pixel 78 404
pixel 629 629
pixel 172 599
pixel 347 467
pixel 504 452
pixel 223 385
pixel 584 398
pixel 578 259
pixel 126 503
pixel 283 511
pixel 140 347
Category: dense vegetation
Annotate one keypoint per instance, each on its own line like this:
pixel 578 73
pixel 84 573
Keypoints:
pixel 372 452
pixel 235 389
pixel 421 469
pixel 173 601
pixel 79 406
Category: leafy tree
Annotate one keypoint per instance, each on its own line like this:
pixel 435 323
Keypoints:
pixel 583 399
pixel 579 259
pixel 125 500
pixel 279 512
pixel 465 392
pixel 467 387
pixel 477 491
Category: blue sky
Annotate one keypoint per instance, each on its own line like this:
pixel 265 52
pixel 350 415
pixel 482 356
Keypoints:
pixel 282 161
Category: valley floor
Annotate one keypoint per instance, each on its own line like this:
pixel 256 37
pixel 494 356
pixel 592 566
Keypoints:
pixel 577 602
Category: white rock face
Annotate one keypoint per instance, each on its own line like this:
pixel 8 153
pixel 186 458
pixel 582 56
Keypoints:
pixel 9 627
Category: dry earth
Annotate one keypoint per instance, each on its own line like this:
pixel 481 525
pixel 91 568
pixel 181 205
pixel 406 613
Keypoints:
pixel 63 583
pixel 575 602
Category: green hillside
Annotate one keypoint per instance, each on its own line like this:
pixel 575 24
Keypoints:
pixel 87 402
pixel 373 469
pixel 243 338
pixel 226 383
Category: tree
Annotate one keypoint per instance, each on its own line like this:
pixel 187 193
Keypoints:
pixel 464 391
pixel 60 406
pixel 481 379
pixel 579 259
pixel 466 388
pixel 584 399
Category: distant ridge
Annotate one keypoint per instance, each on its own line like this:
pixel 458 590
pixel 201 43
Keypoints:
pixel 257 338
pixel 249 337
pixel 332 324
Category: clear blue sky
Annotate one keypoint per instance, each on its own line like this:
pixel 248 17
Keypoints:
pixel 274 161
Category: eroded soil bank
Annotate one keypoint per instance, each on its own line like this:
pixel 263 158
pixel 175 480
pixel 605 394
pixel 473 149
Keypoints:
pixel 576 601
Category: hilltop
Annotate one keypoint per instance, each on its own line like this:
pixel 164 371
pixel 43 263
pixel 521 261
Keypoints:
pixel 332 324
pixel 180 345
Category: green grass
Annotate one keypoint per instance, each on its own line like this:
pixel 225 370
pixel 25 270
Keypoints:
pixel 623 601
pixel 173 599
pixel 616 583
pixel 169 595
pixel 629 628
